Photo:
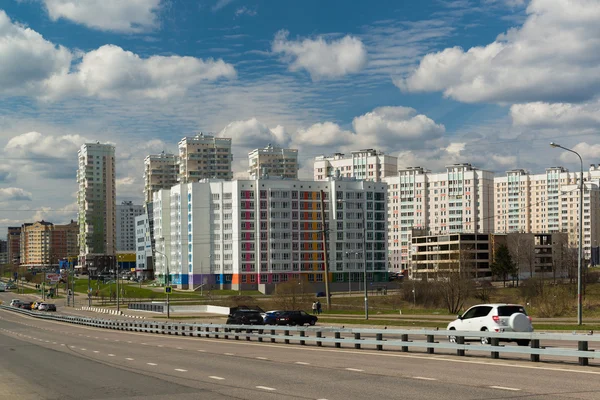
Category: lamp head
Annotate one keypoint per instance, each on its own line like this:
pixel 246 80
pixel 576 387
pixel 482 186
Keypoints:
pixel 554 144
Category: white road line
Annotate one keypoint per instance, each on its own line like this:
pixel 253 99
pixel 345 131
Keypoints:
pixel 151 364
pixel 261 358
pixel 228 354
pixel 202 351
pixel 424 378
pixel 54 343
pixel 179 348
pixel 83 349
pixel 180 370
pixel 265 388
pixel 505 388
pixel 302 363
pixel 144 344
pixel 129 359
pixel 96 351
pixel 111 355
pixel 355 369
pixel 62 344
pixel 129 341
pixel 216 377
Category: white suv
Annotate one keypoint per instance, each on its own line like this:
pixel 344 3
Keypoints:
pixel 493 318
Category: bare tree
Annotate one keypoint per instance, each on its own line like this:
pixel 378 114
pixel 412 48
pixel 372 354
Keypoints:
pixel 455 287
pixel 292 295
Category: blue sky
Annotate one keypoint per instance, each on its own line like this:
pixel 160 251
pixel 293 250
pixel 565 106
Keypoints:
pixel 488 82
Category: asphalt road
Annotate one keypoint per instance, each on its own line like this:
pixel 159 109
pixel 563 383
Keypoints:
pixel 49 360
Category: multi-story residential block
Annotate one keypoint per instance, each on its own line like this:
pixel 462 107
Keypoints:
pixel 3 252
pixel 161 171
pixel 549 202
pixel 273 161
pixel 14 244
pixel 96 200
pixel 126 214
pixel 257 233
pixel 457 200
pixel 204 156
pixel 144 264
pixel 369 164
pixel 43 244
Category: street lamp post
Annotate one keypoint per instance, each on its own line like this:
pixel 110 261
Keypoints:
pixel 118 294
pixel 580 247
pixel 364 213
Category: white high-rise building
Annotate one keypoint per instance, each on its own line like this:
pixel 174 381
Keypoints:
pixel 161 171
pixel 252 233
pixel 549 202
pixel 96 200
pixel 457 200
pixel 126 214
pixel 273 161
pixel 144 264
pixel 369 164
pixel 204 157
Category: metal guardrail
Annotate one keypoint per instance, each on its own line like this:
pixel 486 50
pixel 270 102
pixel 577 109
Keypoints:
pixel 356 337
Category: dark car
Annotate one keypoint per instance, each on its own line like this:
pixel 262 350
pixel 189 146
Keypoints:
pixel 26 305
pixel 296 318
pixel 270 317
pixel 244 316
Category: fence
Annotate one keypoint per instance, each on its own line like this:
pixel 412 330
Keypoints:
pixel 357 338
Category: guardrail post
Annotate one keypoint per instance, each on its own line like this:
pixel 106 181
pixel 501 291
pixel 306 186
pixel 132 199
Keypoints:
pixel 260 332
pixel 583 346
pixel 237 337
pixel 216 332
pixel 404 338
pixel 495 342
pixel 226 333
pixel 460 340
pixel 248 331
pixel 379 336
pixel 319 343
pixel 287 333
pixel 338 336
pixel 535 344
pixel 357 337
pixel 302 342
pixel 272 334
pixel 430 339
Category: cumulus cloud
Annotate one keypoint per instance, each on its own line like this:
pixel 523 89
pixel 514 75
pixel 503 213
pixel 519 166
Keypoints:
pixel 14 194
pixel 587 151
pixel 322 59
pixel 27 58
pixel 107 15
pixel 322 134
pixel 253 133
pixel 553 57
pixel 245 11
pixel 539 114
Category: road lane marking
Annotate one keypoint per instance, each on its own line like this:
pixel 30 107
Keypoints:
pixel 151 364
pixel 96 351
pixel 83 349
pixel 265 388
pixel 180 370
pixel 202 351
pixel 216 377
pixel 129 359
pixel 424 378
pixel 160 345
pixel 111 355
pixel 228 354
pixel 179 348
pixel 302 363
pixel 261 358
pixel 355 369
pixel 505 388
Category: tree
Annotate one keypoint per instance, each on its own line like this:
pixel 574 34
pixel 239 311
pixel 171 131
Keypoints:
pixel 455 287
pixel 503 265
pixel 292 295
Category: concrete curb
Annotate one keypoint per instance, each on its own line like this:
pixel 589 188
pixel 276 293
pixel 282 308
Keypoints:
pixel 109 311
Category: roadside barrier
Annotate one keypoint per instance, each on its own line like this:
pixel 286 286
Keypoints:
pixel 357 338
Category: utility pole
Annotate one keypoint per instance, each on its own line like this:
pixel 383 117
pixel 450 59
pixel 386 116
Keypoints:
pixel 326 258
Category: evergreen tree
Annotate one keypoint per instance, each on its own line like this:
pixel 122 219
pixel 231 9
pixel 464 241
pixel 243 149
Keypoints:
pixel 503 265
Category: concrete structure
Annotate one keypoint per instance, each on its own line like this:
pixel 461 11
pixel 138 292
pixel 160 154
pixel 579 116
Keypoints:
pixel 144 264
pixel 548 203
pixel 457 200
pixel 273 161
pixel 126 214
pixel 13 238
pixel 256 233
pixel 161 171
pixel 3 252
pixel 204 156
pixel 96 201
pixel 368 164
pixel 43 244
pixel 542 254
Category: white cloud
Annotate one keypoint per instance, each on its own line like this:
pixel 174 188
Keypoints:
pixel 554 56
pixel 568 115
pixel 14 194
pixel 107 15
pixel 111 72
pixel 33 145
pixel 254 134
pixel 455 148
pixel 27 58
pixel 245 11
pixel 322 59
pixel 322 134
pixel 221 4
pixel 587 151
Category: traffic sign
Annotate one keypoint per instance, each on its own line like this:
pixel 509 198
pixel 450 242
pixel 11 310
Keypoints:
pixel 168 289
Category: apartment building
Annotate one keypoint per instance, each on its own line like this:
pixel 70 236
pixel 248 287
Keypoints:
pixel 126 214
pixel 96 200
pixel 368 164
pixel 161 171
pixel 144 264
pixel 273 161
pixel 43 244
pixel 457 200
pixel 204 156
pixel 13 239
pixel 257 233
pixel 3 252
pixel 549 202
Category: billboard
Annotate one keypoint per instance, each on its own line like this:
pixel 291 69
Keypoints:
pixel 53 277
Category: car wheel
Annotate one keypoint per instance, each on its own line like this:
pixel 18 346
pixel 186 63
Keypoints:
pixel 485 340
pixel 312 322
pixel 523 342
pixel 452 338
pixel 292 324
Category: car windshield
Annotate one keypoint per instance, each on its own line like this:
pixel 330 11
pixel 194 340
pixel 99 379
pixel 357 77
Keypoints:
pixel 507 311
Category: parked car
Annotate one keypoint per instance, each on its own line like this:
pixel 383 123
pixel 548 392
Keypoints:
pixel 244 316
pixel 35 305
pixel 2 287
pixel 11 286
pixel 42 307
pixel 25 305
pixel 270 317
pixel 493 318
pixel 296 318
pixel 51 307
pixel 14 302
